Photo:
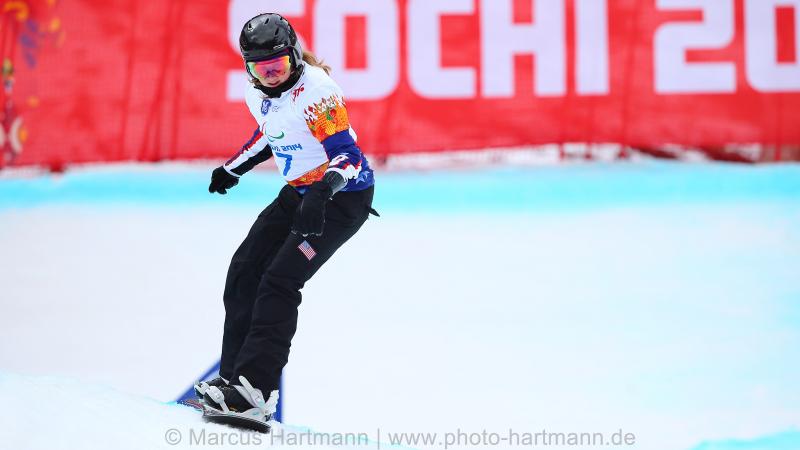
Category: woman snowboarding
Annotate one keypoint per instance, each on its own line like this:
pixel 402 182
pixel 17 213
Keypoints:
pixel 303 124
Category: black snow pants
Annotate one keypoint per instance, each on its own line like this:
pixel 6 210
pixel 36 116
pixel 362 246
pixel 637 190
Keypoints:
pixel 267 272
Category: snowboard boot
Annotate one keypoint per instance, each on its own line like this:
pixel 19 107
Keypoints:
pixel 201 387
pixel 240 405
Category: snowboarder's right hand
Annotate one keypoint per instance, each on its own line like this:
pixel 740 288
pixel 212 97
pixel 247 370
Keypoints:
pixel 221 181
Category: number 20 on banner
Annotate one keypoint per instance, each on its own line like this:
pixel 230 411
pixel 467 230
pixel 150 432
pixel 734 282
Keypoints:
pixel 763 69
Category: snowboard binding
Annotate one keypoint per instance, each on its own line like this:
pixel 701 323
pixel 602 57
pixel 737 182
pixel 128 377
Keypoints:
pixel 201 387
pixel 240 406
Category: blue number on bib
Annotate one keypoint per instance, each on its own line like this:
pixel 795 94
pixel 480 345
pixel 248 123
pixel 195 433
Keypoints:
pixel 288 164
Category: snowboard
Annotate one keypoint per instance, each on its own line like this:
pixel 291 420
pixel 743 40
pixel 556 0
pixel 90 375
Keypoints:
pixel 235 420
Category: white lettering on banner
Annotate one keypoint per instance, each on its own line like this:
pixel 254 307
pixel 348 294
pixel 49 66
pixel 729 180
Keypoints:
pixel 239 12
pixel 12 136
pixel 591 59
pixel 382 74
pixel 425 72
pixel 673 74
pixel 764 72
pixel 501 40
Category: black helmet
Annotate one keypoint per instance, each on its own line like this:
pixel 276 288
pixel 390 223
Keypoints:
pixel 266 35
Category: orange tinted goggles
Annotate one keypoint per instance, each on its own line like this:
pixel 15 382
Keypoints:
pixel 268 69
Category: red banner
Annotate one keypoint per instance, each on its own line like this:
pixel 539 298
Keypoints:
pixel 128 80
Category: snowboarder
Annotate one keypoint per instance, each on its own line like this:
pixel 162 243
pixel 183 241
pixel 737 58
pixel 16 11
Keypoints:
pixel 304 125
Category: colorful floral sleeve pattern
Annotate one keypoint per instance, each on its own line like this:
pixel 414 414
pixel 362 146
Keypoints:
pixel 310 177
pixel 327 117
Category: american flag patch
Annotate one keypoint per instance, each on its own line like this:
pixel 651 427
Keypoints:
pixel 306 249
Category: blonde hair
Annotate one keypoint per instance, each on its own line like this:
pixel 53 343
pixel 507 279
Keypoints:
pixel 311 59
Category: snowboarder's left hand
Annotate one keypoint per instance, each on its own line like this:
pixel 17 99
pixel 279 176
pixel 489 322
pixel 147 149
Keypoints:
pixel 309 218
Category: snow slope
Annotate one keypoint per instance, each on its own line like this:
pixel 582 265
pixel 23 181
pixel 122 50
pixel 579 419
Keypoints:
pixel 61 413
pixel 662 299
pixel 70 414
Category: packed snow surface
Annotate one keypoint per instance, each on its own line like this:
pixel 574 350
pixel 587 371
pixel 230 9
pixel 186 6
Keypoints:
pixel 661 299
pixel 66 413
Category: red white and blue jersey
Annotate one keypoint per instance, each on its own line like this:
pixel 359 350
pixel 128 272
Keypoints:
pixel 308 132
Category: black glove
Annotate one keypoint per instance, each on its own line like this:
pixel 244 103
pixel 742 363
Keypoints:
pixel 221 181
pixel 309 218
